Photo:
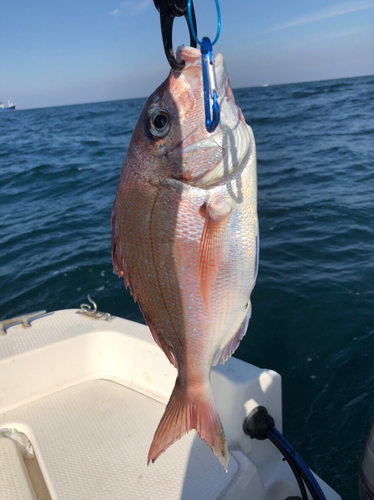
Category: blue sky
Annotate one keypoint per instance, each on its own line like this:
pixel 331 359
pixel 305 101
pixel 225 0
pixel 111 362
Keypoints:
pixel 55 53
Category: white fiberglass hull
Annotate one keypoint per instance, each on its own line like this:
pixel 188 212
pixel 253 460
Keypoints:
pixel 88 395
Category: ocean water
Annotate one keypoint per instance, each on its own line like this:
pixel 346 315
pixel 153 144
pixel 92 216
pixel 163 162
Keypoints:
pixel 313 314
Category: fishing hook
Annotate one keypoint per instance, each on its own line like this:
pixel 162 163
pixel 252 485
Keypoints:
pixel 169 9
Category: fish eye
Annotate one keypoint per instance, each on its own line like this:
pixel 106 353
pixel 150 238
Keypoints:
pixel 159 121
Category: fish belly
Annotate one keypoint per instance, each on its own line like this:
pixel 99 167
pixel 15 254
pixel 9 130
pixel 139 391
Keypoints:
pixel 160 231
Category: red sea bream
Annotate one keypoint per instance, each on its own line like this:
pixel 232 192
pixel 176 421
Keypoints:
pixel 185 239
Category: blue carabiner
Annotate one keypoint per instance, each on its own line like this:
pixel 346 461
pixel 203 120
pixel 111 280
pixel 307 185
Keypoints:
pixel 210 85
pixel 190 17
pixel 209 72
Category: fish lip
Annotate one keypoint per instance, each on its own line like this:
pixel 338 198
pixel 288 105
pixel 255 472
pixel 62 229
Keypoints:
pixel 189 54
pixel 192 55
pixel 192 71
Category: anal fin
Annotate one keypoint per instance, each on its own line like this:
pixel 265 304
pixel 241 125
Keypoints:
pixel 233 344
pixel 169 353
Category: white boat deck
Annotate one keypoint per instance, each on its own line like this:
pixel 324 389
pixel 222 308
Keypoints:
pixel 89 394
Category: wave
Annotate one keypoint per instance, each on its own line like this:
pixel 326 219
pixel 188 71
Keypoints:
pixel 314 293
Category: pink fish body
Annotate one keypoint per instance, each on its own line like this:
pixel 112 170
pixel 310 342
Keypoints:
pixel 185 239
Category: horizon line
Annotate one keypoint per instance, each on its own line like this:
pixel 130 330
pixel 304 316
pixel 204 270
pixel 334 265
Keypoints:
pixel 264 85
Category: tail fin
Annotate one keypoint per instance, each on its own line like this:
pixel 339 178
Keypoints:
pixel 188 410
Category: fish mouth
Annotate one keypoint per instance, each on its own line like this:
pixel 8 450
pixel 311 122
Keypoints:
pixel 228 148
pixel 192 74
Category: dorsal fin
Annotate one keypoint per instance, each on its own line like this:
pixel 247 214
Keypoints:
pixel 119 266
pixel 118 259
pixel 116 246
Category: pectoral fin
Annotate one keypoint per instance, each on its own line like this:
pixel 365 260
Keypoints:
pixel 214 245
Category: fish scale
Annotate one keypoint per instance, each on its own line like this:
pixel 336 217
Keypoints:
pixel 185 239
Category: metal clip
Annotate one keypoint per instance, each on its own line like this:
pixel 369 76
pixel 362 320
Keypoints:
pixel 209 72
pixel 87 310
pixel 24 319
pixel 210 85
pixel 169 9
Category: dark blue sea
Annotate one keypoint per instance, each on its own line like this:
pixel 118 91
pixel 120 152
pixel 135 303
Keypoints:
pixel 313 305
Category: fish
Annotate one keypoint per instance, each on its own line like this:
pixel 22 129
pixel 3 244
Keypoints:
pixel 185 239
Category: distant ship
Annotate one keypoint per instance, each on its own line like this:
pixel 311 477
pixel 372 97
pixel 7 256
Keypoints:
pixel 8 108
